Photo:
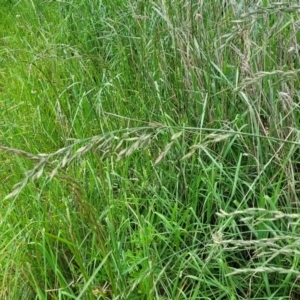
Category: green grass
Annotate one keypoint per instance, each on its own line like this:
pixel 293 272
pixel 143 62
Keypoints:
pixel 149 150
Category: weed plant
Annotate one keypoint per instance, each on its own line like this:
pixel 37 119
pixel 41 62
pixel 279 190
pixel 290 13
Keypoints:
pixel 149 149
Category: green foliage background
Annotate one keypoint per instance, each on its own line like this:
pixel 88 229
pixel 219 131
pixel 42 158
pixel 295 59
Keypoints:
pixel 149 149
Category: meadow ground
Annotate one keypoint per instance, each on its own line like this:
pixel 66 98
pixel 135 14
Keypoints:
pixel 149 149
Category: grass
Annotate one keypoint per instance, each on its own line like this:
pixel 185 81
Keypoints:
pixel 149 150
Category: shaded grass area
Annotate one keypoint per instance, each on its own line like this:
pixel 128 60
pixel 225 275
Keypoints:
pixel 149 150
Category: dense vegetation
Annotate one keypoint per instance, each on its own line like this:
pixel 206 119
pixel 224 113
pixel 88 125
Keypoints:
pixel 149 149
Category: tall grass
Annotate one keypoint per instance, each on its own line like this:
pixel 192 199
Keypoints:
pixel 149 149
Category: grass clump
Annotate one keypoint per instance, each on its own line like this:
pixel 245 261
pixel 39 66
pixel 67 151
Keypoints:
pixel 149 150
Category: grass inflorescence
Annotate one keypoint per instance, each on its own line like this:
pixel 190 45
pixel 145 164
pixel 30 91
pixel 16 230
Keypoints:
pixel 149 149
